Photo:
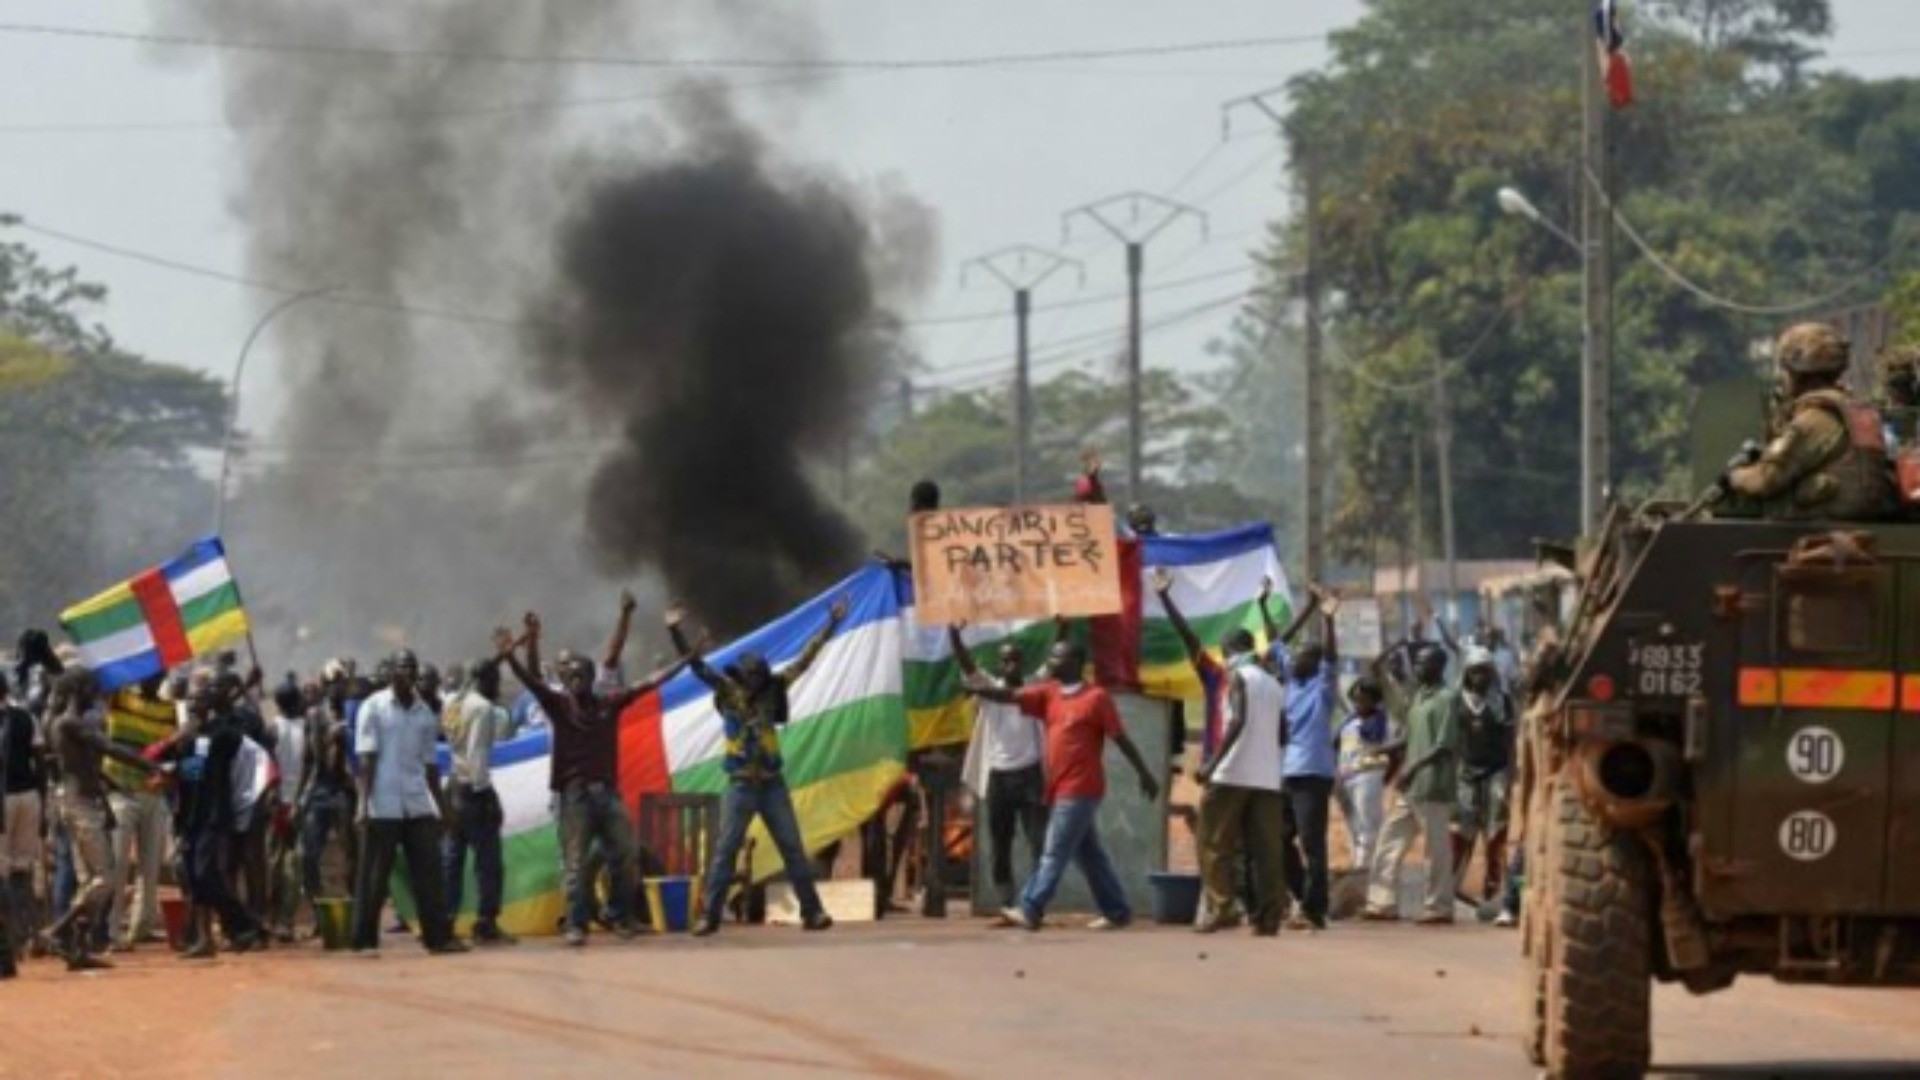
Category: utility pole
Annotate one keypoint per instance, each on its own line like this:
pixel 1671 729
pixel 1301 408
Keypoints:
pixel 1316 393
pixel 1315 463
pixel 1596 370
pixel 1135 232
pixel 1443 462
pixel 1419 524
pixel 1022 268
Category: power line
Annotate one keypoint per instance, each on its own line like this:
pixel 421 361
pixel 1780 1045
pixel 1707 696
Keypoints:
pixel 342 299
pixel 336 465
pixel 1065 352
pixel 1716 300
pixel 454 456
pixel 1084 301
pixel 1252 168
pixel 509 108
pixel 1056 344
pixel 716 63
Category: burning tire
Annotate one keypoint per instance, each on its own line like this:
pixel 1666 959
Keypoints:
pixel 1596 963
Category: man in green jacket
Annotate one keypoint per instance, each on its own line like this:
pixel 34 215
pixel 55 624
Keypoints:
pixel 1425 790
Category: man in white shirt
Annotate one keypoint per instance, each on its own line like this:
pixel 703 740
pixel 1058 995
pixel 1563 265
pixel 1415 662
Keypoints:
pixel 1003 764
pixel 473 719
pixel 1242 803
pixel 401 807
pixel 289 730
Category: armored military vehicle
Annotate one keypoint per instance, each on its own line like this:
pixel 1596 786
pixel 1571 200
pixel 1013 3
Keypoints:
pixel 1719 774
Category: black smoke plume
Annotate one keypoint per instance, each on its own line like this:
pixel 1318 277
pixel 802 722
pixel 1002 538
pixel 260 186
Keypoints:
pixel 717 305
pixel 706 331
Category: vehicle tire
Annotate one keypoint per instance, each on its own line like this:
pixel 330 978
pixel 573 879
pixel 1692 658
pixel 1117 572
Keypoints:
pixel 1536 912
pixel 1599 993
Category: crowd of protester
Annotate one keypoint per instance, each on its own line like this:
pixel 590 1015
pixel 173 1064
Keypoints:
pixel 1424 750
pixel 244 794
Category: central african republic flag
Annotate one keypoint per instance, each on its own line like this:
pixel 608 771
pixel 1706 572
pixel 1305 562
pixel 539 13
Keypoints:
pixel 845 744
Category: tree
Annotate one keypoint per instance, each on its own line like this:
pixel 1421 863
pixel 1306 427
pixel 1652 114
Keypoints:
pixel 1262 394
pixel 1777 34
pixel 1740 182
pixel 98 479
pixel 964 441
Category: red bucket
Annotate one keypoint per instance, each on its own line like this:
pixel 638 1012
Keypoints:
pixel 173 912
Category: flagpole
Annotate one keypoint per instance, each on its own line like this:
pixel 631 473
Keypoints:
pixel 1596 250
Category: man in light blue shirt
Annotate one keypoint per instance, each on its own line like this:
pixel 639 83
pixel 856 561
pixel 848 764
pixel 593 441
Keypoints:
pixel 401 807
pixel 1310 763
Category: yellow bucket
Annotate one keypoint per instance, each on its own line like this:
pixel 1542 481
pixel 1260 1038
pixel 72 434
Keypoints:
pixel 335 918
pixel 673 903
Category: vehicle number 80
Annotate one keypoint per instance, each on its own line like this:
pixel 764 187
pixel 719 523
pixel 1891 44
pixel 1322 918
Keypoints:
pixel 1808 835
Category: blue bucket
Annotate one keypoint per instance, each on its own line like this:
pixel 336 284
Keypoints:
pixel 671 900
pixel 1176 897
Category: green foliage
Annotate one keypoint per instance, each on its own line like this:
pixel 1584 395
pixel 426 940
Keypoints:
pixel 1741 174
pixel 965 443
pixel 1903 305
pixel 96 475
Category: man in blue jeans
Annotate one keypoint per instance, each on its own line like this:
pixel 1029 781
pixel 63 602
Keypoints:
pixel 751 699
pixel 1079 720
pixel 584 719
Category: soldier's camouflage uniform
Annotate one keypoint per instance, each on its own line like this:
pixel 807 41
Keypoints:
pixel 1827 457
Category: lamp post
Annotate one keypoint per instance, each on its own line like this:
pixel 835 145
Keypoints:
pixel 1594 432
pixel 233 414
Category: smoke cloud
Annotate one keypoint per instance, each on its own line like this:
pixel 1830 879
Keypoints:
pixel 703 327
pixel 719 307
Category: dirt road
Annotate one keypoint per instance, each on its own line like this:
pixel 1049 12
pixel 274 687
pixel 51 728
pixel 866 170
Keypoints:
pixel 904 999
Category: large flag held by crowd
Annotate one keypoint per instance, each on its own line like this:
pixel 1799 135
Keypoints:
pixel 882 687
pixel 1216 580
pixel 844 746
pixel 160 618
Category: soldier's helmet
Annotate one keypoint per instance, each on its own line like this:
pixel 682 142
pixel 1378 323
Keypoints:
pixel 1813 349
pixel 1899 364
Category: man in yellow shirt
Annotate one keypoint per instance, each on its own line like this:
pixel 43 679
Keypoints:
pixel 137 717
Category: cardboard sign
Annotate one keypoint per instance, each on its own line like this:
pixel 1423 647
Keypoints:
pixel 1358 624
pixel 1000 564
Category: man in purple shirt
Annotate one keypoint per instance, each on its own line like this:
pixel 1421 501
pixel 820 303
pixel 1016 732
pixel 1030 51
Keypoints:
pixel 585 725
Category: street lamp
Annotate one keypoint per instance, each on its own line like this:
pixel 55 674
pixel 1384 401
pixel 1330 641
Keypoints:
pixel 233 414
pixel 1518 205
pixel 1593 418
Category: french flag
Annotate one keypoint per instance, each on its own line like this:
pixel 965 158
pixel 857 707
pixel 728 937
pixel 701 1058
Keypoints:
pixel 1615 70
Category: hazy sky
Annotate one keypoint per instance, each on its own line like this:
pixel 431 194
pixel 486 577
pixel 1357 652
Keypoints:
pixel 999 154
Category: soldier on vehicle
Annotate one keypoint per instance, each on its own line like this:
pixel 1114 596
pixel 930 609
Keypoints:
pixel 1900 394
pixel 1827 458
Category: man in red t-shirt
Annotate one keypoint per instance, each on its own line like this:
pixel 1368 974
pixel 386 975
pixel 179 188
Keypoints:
pixel 1079 719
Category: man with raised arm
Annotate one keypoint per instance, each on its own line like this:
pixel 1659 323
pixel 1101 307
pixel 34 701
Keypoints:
pixel 751 699
pixel 585 725
pixel 1241 808
pixel 1312 681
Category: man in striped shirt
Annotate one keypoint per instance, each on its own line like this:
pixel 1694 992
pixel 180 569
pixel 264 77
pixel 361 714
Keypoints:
pixel 137 718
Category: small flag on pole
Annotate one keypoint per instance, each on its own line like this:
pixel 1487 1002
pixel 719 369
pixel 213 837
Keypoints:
pixel 1616 71
pixel 160 618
